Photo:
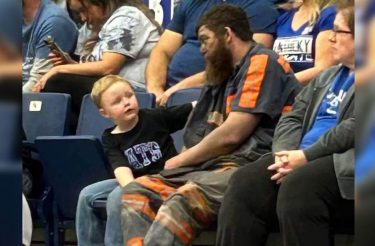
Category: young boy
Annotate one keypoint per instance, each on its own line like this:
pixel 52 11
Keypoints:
pixel 138 144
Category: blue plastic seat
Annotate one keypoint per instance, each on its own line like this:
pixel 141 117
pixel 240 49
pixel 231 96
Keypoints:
pixel 45 114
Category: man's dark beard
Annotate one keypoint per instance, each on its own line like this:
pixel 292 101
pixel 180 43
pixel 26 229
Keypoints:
pixel 219 67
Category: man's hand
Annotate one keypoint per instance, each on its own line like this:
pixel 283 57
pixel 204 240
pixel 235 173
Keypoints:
pixel 174 162
pixel 158 92
pixel 286 162
pixel 163 98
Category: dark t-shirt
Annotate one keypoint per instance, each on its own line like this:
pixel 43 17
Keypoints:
pixel 146 147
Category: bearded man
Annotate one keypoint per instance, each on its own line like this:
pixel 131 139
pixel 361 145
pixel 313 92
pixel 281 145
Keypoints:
pixel 248 88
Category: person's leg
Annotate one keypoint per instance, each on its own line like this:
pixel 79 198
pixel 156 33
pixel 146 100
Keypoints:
pixel 75 85
pixel 193 207
pixel 113 231
pixel 89 227
pixel 249 207
pixel 307 200
pixel 141 201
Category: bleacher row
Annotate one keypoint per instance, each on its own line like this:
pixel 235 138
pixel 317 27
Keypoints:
pixel 71 162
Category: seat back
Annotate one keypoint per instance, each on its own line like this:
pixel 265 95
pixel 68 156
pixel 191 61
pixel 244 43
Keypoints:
pixel 45 114
pixel 178 98
pixel 9 130
pixel 91 122
pixel 71 163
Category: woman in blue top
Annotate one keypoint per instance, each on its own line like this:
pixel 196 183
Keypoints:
pixel 302 37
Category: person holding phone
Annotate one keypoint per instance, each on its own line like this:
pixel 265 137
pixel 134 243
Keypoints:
pixel 123 35
pixel 42 18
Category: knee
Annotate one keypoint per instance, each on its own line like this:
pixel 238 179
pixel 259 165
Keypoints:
pixel 114 200
pixel 85 195
pixel 295 199
pixel 239 184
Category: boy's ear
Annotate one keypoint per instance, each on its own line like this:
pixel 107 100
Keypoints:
pixel 103 113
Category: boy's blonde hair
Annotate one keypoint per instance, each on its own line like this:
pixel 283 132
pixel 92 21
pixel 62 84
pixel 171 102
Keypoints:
pixel 102 85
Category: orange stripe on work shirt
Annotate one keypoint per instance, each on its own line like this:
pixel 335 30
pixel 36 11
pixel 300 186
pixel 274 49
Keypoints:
pixel 229 102
pixel 284 64
pixel 254 79
pixel 136 241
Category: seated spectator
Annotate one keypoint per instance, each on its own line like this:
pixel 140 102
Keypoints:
pixel 365 41
pixel 248 87
pixel 302 36
pixel 125 33
pixel 139 144
pixel 176 62
pixel 309 175
pixel 42 18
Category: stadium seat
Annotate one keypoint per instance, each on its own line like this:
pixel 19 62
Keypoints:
pixel 45 114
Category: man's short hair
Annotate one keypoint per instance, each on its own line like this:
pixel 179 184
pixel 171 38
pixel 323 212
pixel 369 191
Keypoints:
pixel 102 85
pixel 227 15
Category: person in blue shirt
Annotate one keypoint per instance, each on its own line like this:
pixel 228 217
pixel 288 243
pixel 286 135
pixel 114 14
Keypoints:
pixel 42 18
pixel 302 35
pixel 365 43
pixel 176 61
pixel 308 179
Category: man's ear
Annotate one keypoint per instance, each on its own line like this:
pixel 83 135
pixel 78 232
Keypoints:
pixel 228 34
pixel 103 113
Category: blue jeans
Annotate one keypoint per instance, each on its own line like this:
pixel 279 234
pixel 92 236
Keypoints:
pixel 91 230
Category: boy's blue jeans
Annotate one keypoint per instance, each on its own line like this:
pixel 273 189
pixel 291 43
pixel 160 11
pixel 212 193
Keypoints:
pixel 91 230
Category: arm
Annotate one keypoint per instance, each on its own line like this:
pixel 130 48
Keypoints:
pixel 264 38
pixel 223 140
pixel 111 63
pixel 337 140
pixel 156 70
pixel 175 117
pixel 323 59
pixel 288 132
pixel 64 34
pixel 124 175
pixel 116 159
pixel 194 81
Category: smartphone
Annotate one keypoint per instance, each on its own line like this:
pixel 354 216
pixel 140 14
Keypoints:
pixel 52 45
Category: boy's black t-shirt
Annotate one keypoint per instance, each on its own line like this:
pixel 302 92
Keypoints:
pixel 146 147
